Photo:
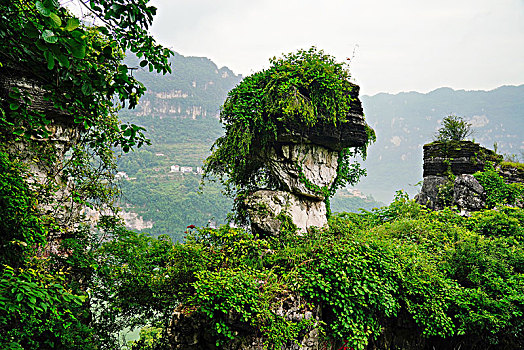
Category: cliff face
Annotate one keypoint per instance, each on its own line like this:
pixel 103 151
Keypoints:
pixel 44 153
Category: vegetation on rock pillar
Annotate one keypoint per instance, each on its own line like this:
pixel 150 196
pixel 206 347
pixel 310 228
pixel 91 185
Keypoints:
pixel 306 88
pixel 454 128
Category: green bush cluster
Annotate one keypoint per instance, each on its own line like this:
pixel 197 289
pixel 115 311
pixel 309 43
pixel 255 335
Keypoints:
pixel 400 275
pixel 454 128
pixel 497 191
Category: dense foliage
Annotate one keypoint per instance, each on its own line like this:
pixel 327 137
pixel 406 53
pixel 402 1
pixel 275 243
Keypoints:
pixel 399 276
pixel 499 192
pixel 60 71
pixel 308 88
pixel 37 308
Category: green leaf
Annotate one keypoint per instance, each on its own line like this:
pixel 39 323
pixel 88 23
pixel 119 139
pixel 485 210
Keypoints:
pixel 52 3
pixel 49 36
pixel 63 60
pixel 143 63
pixel 51 62
pixel 72 24
pixel 78 50
pixel 108 51
pixel 57 22
pixel 41 45
pixel 31 31
pixel 14 106
pixel 50 58
pixel 40 7
pixel 14 93
pixel 87 89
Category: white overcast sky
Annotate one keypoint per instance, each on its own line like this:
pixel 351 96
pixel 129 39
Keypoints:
pixel 405 45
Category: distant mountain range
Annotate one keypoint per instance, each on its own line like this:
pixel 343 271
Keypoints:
pixel 404 122
pixel 180 112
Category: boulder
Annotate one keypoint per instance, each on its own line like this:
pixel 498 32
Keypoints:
pixel 430 193
pixel 468 194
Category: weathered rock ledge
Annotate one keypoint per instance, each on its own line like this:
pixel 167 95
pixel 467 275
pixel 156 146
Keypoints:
pixel 187 330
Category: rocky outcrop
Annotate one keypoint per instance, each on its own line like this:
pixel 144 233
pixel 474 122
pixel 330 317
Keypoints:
pixel 303 168
pixel 431 193
pixel 44 153
pixel 448 179
pixel 511 172
pixel 304 162
pixel 352 133
pixel 468 194
pixel 269 210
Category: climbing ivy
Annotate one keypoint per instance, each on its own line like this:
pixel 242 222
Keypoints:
pixel 304 88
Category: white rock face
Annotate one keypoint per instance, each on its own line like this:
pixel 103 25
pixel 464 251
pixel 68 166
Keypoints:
pixel 302 170
pixel 318 165
pixel 265 206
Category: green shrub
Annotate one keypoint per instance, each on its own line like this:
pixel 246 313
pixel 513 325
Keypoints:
pixel 497 191
pixel 496 223
pixel 454 128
